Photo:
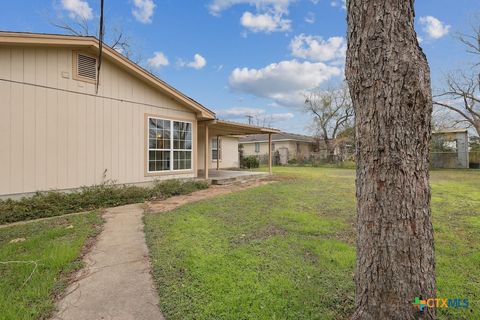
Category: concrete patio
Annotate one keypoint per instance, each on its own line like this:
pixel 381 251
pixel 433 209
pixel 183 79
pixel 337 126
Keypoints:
pixel 218 177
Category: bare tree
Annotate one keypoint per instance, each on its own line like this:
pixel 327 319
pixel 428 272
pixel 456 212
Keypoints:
pixel 115 36
pixel 389 81
pixel 331 110
pixel 462 88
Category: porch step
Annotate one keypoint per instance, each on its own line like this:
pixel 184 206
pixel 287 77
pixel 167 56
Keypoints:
pixel 236 180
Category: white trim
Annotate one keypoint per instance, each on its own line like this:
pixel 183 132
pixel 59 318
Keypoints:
pixel 171 150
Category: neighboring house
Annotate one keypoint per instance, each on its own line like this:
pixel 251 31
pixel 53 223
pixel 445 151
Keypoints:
pixel 449 149
pixel 288 145
pixel 57 132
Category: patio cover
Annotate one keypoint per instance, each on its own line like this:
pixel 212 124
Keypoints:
pixel 229 128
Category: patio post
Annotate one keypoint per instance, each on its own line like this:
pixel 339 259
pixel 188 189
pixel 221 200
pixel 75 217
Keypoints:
pixel 270 153
pixel 206 152
pixel 218 152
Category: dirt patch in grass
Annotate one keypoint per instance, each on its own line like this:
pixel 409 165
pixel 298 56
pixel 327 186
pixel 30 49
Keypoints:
pixel 214 191
pixel 264 233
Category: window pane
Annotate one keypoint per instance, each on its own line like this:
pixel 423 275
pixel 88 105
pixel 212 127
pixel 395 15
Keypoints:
pixel 166 165
pixel 152 123
pixel 151 166
pixel 188 164
pixel 151 155
pixel 152 143
pixel 166 124
pixel 151 133
pixel 166 144
pixel 188 144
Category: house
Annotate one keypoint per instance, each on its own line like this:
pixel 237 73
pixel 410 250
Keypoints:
pixel 60 129
pixel 449 149
pixel 288 145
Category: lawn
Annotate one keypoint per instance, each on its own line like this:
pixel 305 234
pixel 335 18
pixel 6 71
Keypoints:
pixel 36 259
pixel 287 250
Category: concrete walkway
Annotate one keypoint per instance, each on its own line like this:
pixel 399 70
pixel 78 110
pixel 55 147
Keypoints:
pixel 116 281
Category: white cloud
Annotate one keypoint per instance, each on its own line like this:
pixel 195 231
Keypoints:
pixel 269 15
pixel 279 6
pixel 284 82
pixel 240 113
pixel 143 10
pixel 198 62
pixel 433 27
pixel 316 49
pixel 158 60
pixel 282 116
pixel 265 22
pixel 339 3
pixel 310 18
pixel 78 9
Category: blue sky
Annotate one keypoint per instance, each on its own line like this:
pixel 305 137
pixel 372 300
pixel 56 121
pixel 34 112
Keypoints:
pixel 246 57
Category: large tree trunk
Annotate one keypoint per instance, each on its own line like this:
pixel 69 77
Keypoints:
pixel 330 150
pixel 389 82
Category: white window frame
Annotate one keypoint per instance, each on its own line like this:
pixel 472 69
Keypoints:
pixel 171 149
pixel 219 150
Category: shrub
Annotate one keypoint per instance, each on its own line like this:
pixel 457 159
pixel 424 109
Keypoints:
pixel 250 162
pixel 49 204
pixel 293 161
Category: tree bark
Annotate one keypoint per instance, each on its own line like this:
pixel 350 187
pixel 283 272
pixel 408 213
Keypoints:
pixel 389 82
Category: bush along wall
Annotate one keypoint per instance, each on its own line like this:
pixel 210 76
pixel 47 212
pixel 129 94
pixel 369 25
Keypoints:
pixel 49 204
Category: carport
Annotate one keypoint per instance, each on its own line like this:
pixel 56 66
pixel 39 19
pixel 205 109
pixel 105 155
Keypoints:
pixel 218 128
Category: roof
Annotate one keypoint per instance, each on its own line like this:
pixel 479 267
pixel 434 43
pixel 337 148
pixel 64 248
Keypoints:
pixel 92 43
pixel 279 136
pixel 230 128
pixel 460 130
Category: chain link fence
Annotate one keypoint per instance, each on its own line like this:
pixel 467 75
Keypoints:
pixel 439 160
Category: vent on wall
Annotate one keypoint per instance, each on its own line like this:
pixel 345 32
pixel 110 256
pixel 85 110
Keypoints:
pixel 86 67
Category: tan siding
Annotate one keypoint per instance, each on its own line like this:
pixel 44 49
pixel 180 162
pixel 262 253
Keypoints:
pixel 107 138
pixel 5 118
pixel 52 124
pixel 52 138
pixel 96 144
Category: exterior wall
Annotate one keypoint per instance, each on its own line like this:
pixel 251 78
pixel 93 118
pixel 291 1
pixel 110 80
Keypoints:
pixel 56 133
pixel 305 148
pixel 452 160
pixel 229 152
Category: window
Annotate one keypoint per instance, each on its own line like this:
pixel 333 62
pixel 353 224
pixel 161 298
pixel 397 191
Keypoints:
pixel 257 147
pixel 85 67
pixel 273 146
pixel 169 145
pixel 216 149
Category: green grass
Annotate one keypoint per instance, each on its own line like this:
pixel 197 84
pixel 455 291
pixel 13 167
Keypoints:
pixel 287 250
pixel 55 245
